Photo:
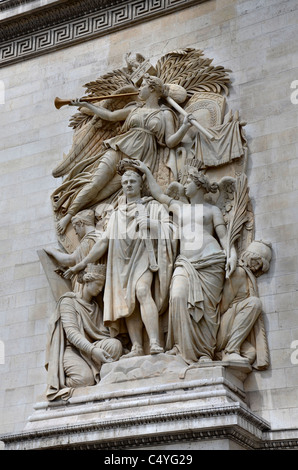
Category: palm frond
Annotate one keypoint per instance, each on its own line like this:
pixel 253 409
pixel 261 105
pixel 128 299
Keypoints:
pixel 189 69
pixel 239 213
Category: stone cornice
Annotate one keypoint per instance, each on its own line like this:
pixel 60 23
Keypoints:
pixel 76 436
pixel 6 4
pixel 87 437
pixel 62 24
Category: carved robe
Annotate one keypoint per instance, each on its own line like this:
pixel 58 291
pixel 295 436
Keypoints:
pixel 194 317
pixel 128 260
pixel 241 327
pixel 75 328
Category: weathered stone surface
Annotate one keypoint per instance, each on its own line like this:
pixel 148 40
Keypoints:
pixel 250 39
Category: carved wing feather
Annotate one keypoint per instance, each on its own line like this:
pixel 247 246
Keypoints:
pixel 175 191
pixel 225 199
pixel 108 83
pixel 189 69
pixel 90 131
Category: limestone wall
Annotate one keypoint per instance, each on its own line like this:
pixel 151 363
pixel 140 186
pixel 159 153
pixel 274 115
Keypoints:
pixel 257 40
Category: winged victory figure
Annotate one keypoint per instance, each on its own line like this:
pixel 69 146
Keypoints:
pixel 144 125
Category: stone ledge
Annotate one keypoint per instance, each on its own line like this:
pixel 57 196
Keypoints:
pixel 232 422
pixel 172 404
pixel 165 408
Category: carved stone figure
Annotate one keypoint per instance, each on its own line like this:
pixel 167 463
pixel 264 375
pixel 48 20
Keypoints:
pixel 181 276
pixel 78 342
pixel 149 132
pixel 140 251
pixel 241 334
pixel 146 126
pixel 84 227
pixel 199 273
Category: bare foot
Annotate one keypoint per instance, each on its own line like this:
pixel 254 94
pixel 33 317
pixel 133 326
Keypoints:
pixel 155 349
pixel 205 359
pixel 173 352
pixel 233 357
pixel 135 352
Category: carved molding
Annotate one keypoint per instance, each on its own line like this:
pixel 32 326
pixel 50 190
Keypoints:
pixel 62 25
pixel 53 437
pixel 6 4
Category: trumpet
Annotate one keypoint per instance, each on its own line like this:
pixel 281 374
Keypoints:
pixel 60 102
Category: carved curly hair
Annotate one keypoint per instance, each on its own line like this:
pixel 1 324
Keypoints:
pixel 202 181
pixel 157 85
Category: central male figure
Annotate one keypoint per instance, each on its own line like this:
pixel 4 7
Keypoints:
pixel 135 292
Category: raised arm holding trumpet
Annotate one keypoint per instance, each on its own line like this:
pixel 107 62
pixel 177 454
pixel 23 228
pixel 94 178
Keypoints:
pixel 145 127
pixel 59 103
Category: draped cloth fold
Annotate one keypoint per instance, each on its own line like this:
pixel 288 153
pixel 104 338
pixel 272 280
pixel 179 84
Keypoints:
pixel 193 312
pixel 229 143
pixel 128 260
pixel 78 324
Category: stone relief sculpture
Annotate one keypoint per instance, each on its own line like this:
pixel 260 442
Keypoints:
pixel 78 342
pixel 84 226
pixel 154 187
pixel 140 254
pixel 241 333
pixel 199 272
pixel 145 126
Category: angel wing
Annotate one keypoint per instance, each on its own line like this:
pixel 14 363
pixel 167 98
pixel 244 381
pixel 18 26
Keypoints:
pixel 225 200
pixel 89 130
pixel 175 190
pixel 189 69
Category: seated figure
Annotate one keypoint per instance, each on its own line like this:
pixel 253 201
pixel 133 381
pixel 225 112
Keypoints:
pixel 78 343
pixel 241 307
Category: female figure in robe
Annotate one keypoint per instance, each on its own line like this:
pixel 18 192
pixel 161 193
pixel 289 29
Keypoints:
pixel 199 270
pixel 146 128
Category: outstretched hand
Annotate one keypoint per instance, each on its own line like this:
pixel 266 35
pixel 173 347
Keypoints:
pixel 139 165
pixel 78 102
pixel 69 273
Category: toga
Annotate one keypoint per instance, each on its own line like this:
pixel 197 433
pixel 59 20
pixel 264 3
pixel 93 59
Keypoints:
pixel 128 260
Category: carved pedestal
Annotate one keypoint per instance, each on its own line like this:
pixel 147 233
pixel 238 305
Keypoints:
pixel 150 402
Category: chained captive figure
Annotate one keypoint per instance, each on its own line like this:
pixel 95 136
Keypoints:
pixel 145 127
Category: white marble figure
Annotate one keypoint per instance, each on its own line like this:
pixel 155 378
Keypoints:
pixel 84 227
pixel 241 307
